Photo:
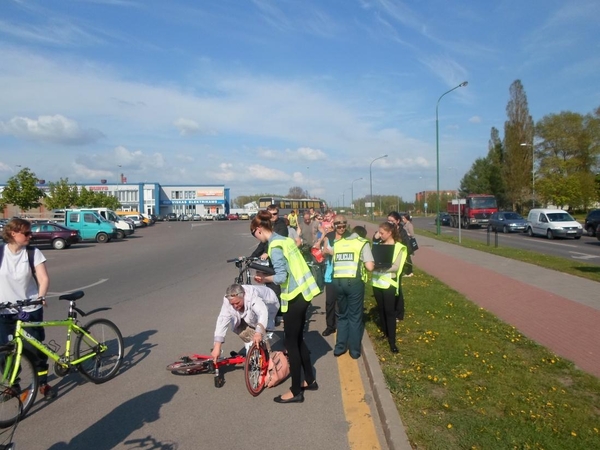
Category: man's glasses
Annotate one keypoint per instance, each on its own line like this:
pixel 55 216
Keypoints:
pixel 340 224
pixel 274 213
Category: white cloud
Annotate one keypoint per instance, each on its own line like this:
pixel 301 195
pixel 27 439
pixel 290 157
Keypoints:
pixel 475 119
pixel 186 126
pixel 307 154
pixel 51 129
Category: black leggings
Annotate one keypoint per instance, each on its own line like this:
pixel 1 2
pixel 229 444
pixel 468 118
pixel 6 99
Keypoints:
pixel 387 306
pixel 294 320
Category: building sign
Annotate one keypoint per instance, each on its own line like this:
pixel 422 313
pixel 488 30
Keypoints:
pixel 98 188
pixel 209 192
pixel 192 202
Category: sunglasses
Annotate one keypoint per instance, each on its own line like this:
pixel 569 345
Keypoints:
pixel 275 213
pixel 26 233
pixel 253 232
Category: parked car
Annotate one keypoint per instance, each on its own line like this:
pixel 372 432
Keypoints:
pixel 507 222
pixel 196 217
pixel 444 219
pixel 592 221
pixel 207 216
pixel 232 217
pixel 220 217
pixel 183 217
pixel 553 223
pixel 138 220
pixel 171 217
pixel 244 216
pixel 58 236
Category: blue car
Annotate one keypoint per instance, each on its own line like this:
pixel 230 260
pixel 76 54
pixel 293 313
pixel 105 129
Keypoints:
pixel 507 222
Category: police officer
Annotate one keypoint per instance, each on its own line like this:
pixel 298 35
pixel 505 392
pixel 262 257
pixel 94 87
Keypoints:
pixel 352 258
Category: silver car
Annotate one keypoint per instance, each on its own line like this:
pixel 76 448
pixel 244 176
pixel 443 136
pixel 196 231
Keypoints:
pixel 507 222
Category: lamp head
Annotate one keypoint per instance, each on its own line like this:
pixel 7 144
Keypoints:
pixel 463 84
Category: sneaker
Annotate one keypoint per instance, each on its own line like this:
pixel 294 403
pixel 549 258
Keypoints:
pixel 47 392
pixel 409 275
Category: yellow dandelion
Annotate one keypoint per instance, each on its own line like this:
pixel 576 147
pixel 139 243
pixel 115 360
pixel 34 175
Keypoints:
pixel 449 426
pixel 573 434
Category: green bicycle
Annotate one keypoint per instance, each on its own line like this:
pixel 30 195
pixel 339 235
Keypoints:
pixel 95 350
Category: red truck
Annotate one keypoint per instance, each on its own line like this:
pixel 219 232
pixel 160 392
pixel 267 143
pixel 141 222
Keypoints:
pixel 475 212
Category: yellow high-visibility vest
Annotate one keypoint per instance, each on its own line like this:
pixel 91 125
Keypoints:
pixel 298 270
pixel 384 280
pixel 346 258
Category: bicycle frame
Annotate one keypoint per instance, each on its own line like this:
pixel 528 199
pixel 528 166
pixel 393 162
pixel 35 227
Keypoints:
pixel 64 360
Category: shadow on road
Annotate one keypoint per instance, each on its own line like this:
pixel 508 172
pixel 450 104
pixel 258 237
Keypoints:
pixel 113 428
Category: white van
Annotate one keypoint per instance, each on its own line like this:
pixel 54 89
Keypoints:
pixel 124 228
pixel 553 223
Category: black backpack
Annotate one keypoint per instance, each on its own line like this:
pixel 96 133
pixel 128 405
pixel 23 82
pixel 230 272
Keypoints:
pixel 30 254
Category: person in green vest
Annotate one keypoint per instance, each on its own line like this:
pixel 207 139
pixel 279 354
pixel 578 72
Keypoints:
pixel 387 288
pixel 352 258
pixel 298 287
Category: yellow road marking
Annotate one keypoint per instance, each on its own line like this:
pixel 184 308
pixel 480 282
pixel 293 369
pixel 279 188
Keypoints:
pixel 361 429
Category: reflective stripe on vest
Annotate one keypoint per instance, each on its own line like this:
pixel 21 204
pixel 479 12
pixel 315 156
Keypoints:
pixel 384 280
pixel 346 258
pixel 298 270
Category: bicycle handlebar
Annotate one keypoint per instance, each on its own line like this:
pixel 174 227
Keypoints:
pixel 243 258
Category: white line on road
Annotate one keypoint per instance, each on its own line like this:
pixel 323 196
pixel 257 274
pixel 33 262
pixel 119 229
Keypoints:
pixel 82 288
pixel 583 255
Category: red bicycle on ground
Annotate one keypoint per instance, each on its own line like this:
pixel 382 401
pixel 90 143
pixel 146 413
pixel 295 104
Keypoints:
pixel 256 364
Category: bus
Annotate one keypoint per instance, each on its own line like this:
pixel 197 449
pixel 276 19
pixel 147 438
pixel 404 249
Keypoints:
pixel 286 205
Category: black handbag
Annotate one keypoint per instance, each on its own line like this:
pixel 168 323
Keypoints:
pixel 413 245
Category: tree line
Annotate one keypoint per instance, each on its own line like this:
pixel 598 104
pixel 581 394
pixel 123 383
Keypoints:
pixel 23 190
pixel 551 162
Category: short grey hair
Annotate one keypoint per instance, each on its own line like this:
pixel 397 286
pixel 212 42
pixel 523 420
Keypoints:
pixel 235 290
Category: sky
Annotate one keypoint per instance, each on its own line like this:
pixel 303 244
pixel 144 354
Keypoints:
pixel 264 95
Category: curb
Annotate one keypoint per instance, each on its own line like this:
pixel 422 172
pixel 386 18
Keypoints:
pixel 391 423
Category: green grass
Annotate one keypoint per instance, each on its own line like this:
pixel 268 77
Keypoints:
pixel 572 267
pixel 465 380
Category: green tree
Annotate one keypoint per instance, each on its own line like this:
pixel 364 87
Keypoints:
pixel 21 190
pixel 567 155
pixel 61 195
pixel 518 160
pixel 485 175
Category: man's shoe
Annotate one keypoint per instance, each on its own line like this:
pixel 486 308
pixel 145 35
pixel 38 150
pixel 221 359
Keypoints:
pixel 327 332
pixel 336 354
pixel 47 391
pixel 296 399
pixel 394 349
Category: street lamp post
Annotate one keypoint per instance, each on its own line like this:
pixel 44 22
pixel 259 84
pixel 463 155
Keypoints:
pixel 371 185
pixel 352 194
pixel 532 172
pixel 437 151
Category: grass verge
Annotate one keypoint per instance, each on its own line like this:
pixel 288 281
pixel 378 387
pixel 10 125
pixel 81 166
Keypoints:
pixel 465 380
pixel 572 267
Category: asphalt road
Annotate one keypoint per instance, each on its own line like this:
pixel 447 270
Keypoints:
pixel 586 249
pixel 164 287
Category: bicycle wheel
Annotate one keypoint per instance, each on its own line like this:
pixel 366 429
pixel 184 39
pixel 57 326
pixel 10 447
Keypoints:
pixel 108 352
pixel 190 366
pixel 16 400
pixel 255 369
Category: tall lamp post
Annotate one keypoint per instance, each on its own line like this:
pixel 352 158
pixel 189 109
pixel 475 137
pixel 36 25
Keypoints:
pixel 371 185
pixel 532 172
pixel 352 194
pixel 437 151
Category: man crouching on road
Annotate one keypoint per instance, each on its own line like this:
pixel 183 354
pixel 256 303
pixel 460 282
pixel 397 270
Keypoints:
pixel 250 310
